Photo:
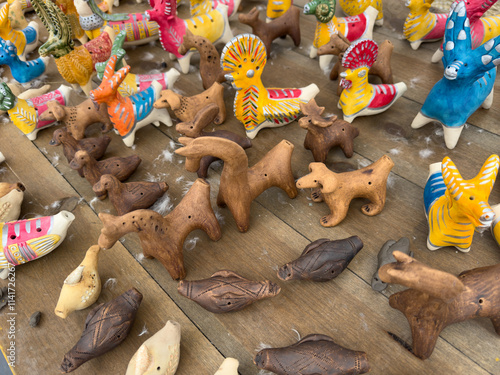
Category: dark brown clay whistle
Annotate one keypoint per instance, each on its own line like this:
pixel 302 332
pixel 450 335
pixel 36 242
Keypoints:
pixel 162 237
pixel 130 196
pixel 322 260
pixel 314 354
pixel 194 129
pixel 325 133
pixel 437 299
pixel 106 326
pixel 226 291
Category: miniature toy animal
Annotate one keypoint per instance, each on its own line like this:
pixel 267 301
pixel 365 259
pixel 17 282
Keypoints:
pixel 240 185
pixel 106 326
pixel 325 133
pixel 322 260
pixel 287 24
pixel 130 196
pixel 256 106
pixel 385 257
pixel 354 8
pixel 82 287
pixel 337 190
pixel 228 367
pixel 226 291
pixel 421 25
pixel 11 198
pixel 199 7
pixel 456 207
pixel 468 79
pixel 25 40
pixel 314 354
pixel 437 299
pixel 276 8
pixel 22 71
pixel 163 237
pixel 18 91
pixel 359 97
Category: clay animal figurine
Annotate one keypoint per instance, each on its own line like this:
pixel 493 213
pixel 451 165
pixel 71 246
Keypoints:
pixel 25 40
pixel 17 9
pixel 325 133
pixel 106 326
pixel 185 108
pixel 338 44
pixel 287 24
pixel 27 240
pixel 276 8
pixel 437 299
pixel 314 354
pixel 18 91
pixel 121 168
pixel 210 68
pixel 256 106
pixel 11 198
pixel 337 190
pixel 25 113
pixel 131 113
pixel 353 28
pixel 194 129
pixel 240 185
pixel 421 25
pixel 322 260
pixel 226 291
pixel 354 7
pixel 130 196
pixel 213 25
pixel 163 237
pixel 228 367
pixel 468 79
pixel 456 207
pixel 22 71
pixel 159 354
pixel 385 257
pixel 82 287
pixel 361 98
pixel 199 7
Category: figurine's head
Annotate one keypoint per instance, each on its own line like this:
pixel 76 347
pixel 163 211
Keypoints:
pixel 320 177
pixel 81 158
pixel 7 98
pixel 358 59
pixel 108 89
pixel 163 10
pixel 203 118
pixel 8 52
pixel 168 99
pixel 418 5
pixel 117 50
pixel 54 112
pixel 58 136
pixel 106 183
pixel 324 10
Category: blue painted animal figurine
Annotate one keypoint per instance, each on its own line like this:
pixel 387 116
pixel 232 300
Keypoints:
pixel 22 71
pixel 468 79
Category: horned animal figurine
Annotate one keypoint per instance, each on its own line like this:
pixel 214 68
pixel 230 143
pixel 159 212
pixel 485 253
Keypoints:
pixel 455 207
pixel 22 71
pixel 355 7
pixel 325 133
pixel 437 299
pixel 240 185
pixel 162 237
pixel 385 256
pixel 11 199
pixel 337 190
pixel 421 25
pixel 228 367
pixel 226 291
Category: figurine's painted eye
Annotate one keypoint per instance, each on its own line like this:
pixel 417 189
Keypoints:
pixel 472 197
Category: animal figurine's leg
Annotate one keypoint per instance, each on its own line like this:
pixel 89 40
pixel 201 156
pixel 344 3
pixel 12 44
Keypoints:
pixel 375 207
pixel 313 52
pixel 172 76
pixel 241 214
pixel 451 135
pixel 184 62
pixel 335 217
pixel 414 45
pixel 489 100
pixel 420 120
pixel 438 55
pixel 334 74
pixel 324 61
pixel 317 196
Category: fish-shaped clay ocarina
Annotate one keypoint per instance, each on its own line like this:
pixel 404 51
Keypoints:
pixel 158 355
pixel 228 367
pixel 106 326
pixel 11 198
pixel 227 291
pixel 82 287
pixel 314 354
pixel 322 260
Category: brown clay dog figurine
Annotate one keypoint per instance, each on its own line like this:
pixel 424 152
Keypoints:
pixel 322 260
pixel 226 291
pixel 240 185
pixel 325 133
pixel 162 237
pixel 437 299
pixel 11 199
pixel 194 129
pixel 130 196
pixel 287 24
pixel 314 354
pixel 337 190
pixel 185 108
pixel 106 326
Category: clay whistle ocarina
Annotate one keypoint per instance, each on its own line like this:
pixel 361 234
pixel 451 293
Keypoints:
pixel 11 198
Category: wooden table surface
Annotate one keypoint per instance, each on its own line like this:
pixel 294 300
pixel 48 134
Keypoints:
pixel 347 309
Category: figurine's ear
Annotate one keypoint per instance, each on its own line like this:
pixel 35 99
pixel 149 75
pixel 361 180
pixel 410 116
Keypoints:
pixel 486 177
pixel 452 178
pixel 106 219
pixel 143 360
pixel 57 111
pixel 173 100
pixel 328 183
pixel 186 141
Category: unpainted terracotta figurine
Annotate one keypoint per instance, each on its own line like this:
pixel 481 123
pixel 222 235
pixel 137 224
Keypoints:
pixel 130 196
pixel 11 199
pixel 194 129
pixel 322 260
pixel 159 354
pixel 385 256
pixel 287 24
pixel 337 190
pixel 240 185
pixel 163 237
pixel 325 133
pixel 82 287
pixel 314 354
pixel 437 299
pixel 185 108
pixel 106 326
pixel 228 367
pixel 226 291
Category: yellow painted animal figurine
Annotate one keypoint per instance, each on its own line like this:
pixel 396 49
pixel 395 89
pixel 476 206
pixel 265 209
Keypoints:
pixel 16 13
pixel 355 7
pixel 421 25
pixel 25 40
pixel 256 106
